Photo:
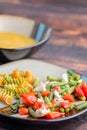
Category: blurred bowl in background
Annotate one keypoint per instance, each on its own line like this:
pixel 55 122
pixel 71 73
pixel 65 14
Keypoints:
pixel 25 26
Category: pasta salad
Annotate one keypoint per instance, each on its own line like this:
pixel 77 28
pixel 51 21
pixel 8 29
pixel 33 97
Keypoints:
pixel 51 99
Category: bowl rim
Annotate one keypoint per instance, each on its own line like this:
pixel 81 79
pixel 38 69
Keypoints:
pixel 48 33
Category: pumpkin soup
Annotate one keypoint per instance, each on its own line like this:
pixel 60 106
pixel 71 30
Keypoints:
pixel 14 40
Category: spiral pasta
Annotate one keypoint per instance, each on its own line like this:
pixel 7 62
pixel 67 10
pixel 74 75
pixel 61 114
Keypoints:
pixel 1 80
pixel 16 73
pixel 29 76
pixel 6 97
pixel 11 80
pixel 15 90
pixel 16 83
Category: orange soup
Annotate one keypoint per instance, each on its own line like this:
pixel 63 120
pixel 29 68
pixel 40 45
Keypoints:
pixel 14 40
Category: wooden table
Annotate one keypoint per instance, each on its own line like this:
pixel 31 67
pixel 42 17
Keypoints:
pixel 67 46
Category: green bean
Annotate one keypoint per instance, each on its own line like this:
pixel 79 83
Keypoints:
pixel 73 75
pixel 32 112
pixel 58 80
pixel 48 87
pixel 20 105
pixel 49 78
pixel 51 96
pixel 70 78
pixel 13 107
pixel 66 88
pixel 70 90
pixel 73 83
pixel 64 91
pixel 78 78
pixel 52 85
pixel 70 72
pixel 62 86
pixel 39 95
pixel 81 106
pixel 47 101
pixel 62 83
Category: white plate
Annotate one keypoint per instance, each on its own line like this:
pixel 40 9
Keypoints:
pixel 40 69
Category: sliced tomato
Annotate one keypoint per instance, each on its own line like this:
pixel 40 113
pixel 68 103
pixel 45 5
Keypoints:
pixel 57 88
pixel 84 88
pixel 45 93
pixel 65 105
pixel 79 91
pixel 53 115
pixel 37 105
pixel 69 97
pixel 23 111
pixel 28 100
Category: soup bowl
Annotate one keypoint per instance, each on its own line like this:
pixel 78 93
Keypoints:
pixel 27 27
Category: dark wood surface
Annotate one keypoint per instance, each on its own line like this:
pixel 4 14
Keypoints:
pixel 67 46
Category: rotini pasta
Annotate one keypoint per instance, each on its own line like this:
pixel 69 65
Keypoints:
pixel 22 73
pixel 15 90
pixel 15 73
pixel 29 76
pixel 6 97
pixel 16 83
pixel 1 80
pixel 11 80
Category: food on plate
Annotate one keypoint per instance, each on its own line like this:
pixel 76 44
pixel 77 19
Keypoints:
pixel 53 98
pixel 11 85
pixel 12 40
